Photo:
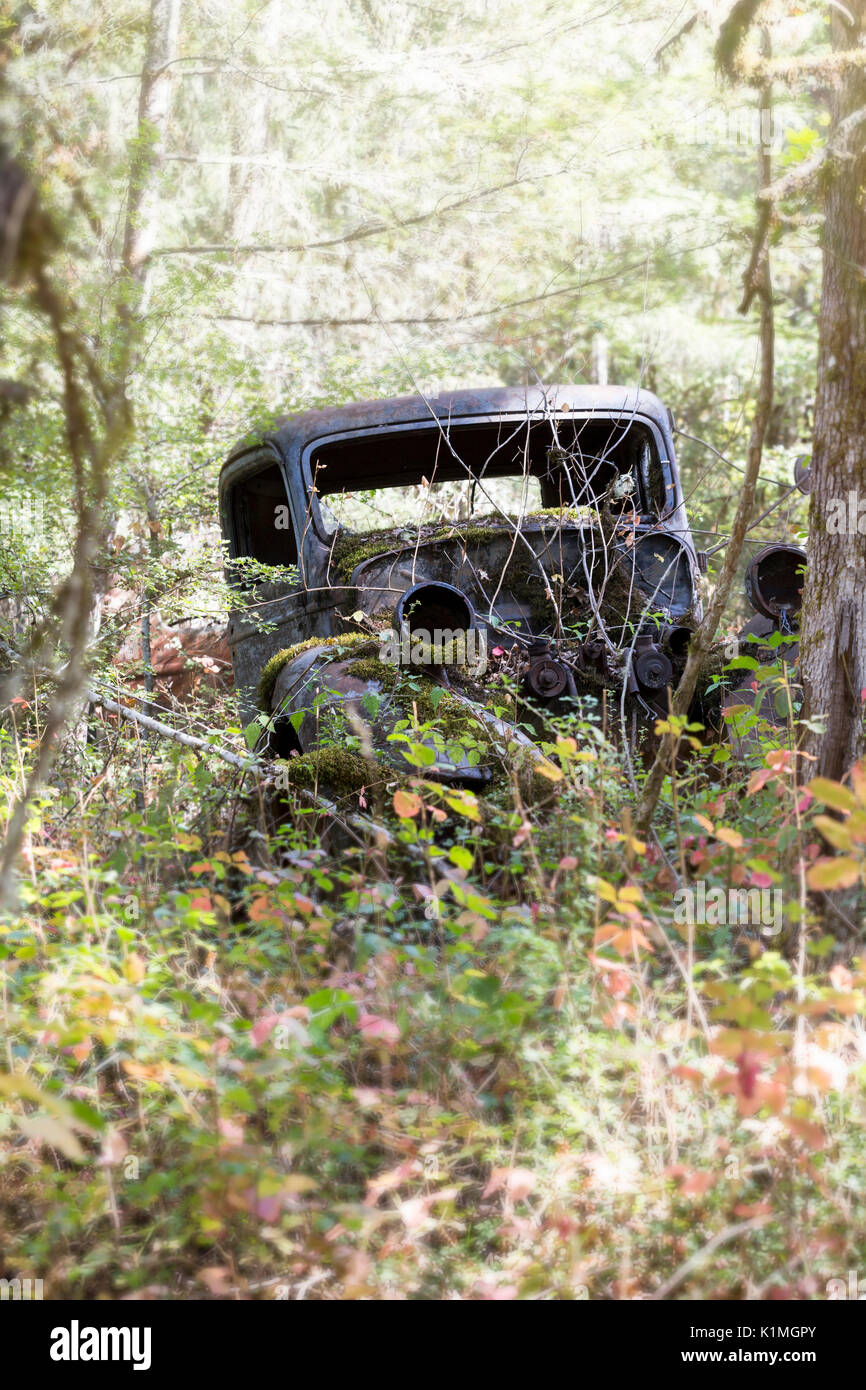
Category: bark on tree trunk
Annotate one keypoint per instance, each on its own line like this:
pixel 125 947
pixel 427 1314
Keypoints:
pixel 833 645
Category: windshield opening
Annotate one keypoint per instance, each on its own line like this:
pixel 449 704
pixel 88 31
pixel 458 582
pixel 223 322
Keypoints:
pixel 420 476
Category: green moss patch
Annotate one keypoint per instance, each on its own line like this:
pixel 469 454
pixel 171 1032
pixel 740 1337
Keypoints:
pixel 350 550
pixel 331 771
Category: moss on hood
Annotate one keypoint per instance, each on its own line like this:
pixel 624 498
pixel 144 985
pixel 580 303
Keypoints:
pixel 273 667
pixel 351 549
pixel 332 771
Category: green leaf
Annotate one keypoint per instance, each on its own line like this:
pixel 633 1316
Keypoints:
pixel 461 857
pixel 832 794
pixel 252 733
pixel 834 831
pixel 420 755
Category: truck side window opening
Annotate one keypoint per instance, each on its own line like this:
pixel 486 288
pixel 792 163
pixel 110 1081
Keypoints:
pixel 262 520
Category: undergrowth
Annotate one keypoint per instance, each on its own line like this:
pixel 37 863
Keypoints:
pixel 483 1051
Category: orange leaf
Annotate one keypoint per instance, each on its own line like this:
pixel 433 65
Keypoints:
pixel 688 1074
pixel 858 781
pixel 748 1211
pixel 833 873
pixel 758 780
pixel 729 837
pixel 697 1184
pixel 260 908
pixel 624 940
pixel 517 1182
pixel 406 804
pixel 811 1134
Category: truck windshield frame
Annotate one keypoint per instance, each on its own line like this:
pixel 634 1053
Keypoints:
pixel 440 460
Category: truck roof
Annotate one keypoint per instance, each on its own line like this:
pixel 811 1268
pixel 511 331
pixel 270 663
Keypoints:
pixel 294 431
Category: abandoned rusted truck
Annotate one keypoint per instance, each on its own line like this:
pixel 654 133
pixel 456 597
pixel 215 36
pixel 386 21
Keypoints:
pixel 394 560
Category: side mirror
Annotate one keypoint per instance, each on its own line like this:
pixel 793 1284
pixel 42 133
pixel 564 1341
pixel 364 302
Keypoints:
pixel 803 474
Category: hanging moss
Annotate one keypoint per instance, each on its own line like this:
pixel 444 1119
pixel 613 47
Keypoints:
pixel 732 36
pixel 273 667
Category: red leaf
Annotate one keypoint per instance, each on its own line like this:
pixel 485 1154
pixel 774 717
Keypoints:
pixel 381 1029
pixel 697 1184
pixel 262 1028
pixel 748 1069
pixel 517 1182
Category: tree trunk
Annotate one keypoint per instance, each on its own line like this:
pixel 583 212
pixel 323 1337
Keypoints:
pixel 833 645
